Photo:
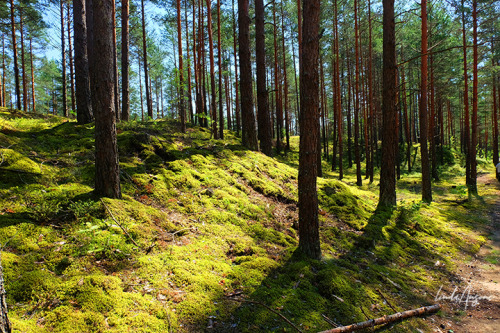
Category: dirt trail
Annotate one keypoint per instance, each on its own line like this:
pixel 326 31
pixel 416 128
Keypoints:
pixel 482 275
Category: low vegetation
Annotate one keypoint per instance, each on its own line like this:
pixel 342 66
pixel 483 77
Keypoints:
pixel 205 232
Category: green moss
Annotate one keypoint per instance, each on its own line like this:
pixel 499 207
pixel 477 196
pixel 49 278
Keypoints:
pixel 14 161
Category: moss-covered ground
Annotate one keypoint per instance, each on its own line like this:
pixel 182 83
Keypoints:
pixel 204 228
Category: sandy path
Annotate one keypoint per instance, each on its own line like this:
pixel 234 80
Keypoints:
pixel 482 274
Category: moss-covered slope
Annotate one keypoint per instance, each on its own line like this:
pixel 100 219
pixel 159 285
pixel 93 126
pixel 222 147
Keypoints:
pixel 204 225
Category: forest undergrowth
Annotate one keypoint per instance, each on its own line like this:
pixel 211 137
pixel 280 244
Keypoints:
pixel 205 236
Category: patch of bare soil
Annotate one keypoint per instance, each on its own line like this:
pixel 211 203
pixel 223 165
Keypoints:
pixel 475 301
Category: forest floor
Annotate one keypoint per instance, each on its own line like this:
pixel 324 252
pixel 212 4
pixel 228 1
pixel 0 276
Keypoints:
pixel 205 238
pixel 479 294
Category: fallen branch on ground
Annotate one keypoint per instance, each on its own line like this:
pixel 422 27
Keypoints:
pixel 386 319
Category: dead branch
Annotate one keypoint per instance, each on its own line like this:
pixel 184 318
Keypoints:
pixel 121 227
pixel 267 307
pixel 385 299
pixel 386 319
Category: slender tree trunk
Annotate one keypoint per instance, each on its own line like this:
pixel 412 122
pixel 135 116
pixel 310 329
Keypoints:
pixel 263 116
pixel 4 319
pixel 213 108
pixel 371 122
pixel 285 82
pixel 115 67
pixel 473 163
pixel 432 123
pixel 357 152
pixel 466 122
pixel 219 66
pixel 14 51
pixel 426 172
pixel 125 60
pixel 149 101
pixel 249 136
pixel 236 83
pixel 339 96
pixel 63 63
pixel 279 110
pixel 189 91
pixel 349 112
pixel 33 98
pixel 84 112
pixel 495 112
pixel 309 242
pixel 181 69
pixel 405 115
pixel 140 86
pixel 107 177
pixel 71 64
pixel 4 95
pixel 23 63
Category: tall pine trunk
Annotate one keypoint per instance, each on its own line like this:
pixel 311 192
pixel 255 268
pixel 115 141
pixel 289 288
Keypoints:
pixel 71 62
pixel 23 62
pixel 219 66
pixel 474 134
pixel 309 242
pixel 249 137
pixel 389 110
pixel 14 51
pixel 107 176
pixel 357 153
pixel 125 61
pixel 263 116
pixel 84 112
pixel 182 110
pixel 149 101
pixel 63 63
pixel 213 108
pixel 426 172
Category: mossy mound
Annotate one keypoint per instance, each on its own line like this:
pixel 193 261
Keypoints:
pixel 14 161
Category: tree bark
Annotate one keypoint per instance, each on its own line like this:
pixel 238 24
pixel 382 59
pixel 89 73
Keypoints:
pixel 115 67
pixel 309 242
pixel 279 110
pixel 182 110
pixel 285 83
pixel 84 112
pixel 71 62
pixel 473 163
pixel 386 319
pixel 14 51
pixel 466 125
pixel 219 65
pixel 426 172
pixel 189 88
pixel 249 137
pixel 125 60
pixel 149 101
pixel 23 62
pixel 263 116
pixel 33 97
pixel 107 177
pixel 494 111
pixel 63 63
pixel 4 319
pixel 357 153
pixel 213 108
pixel 236 83
pixel 389 110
